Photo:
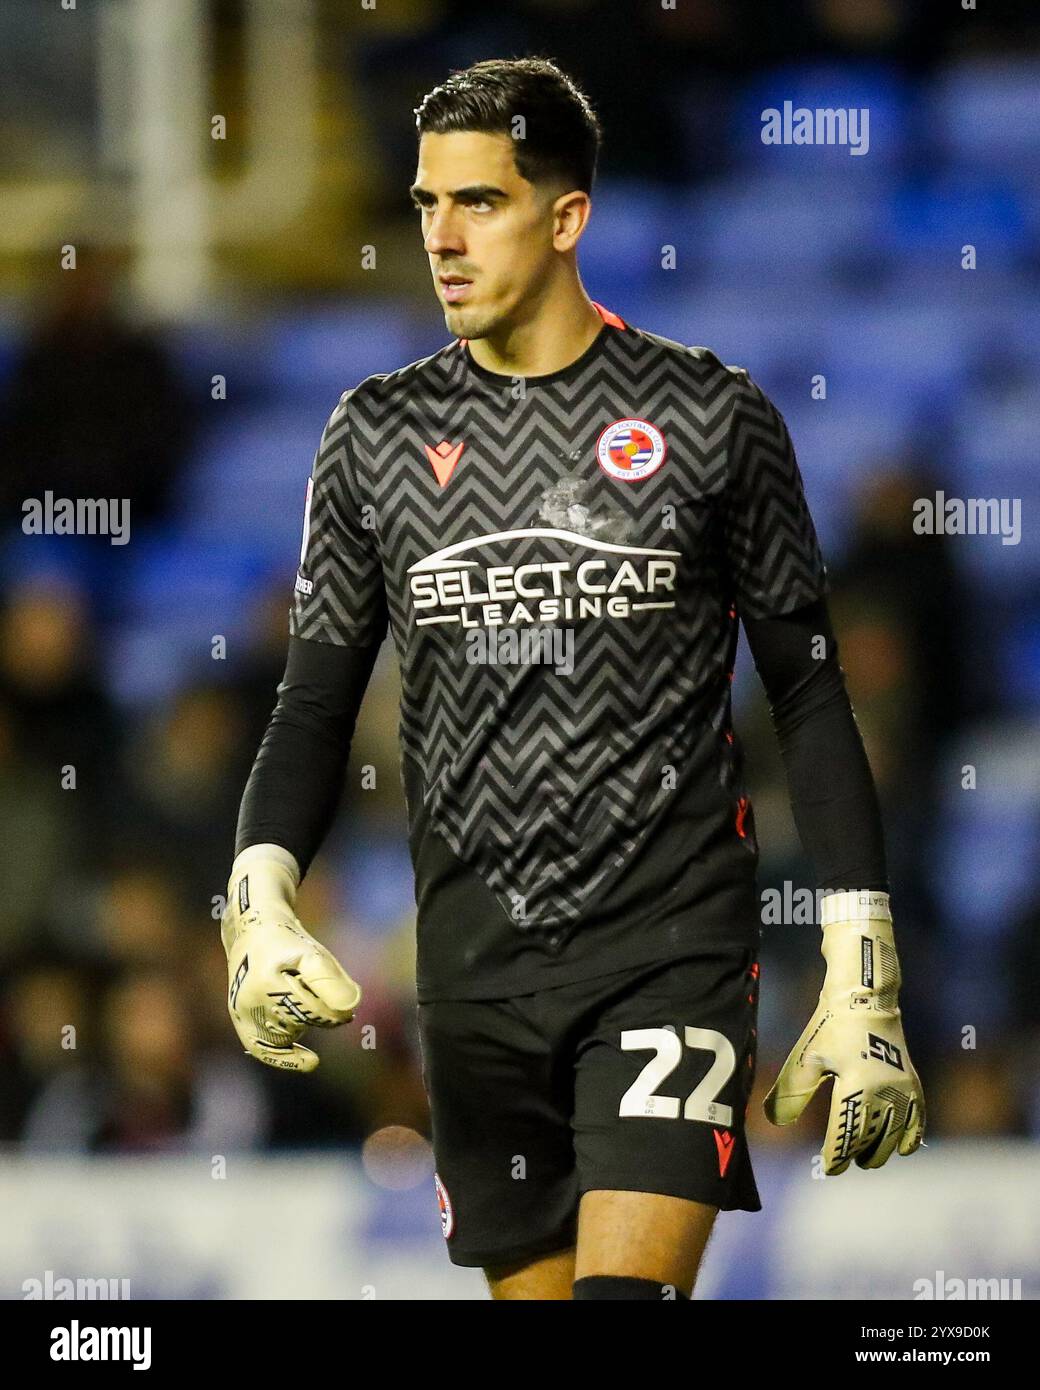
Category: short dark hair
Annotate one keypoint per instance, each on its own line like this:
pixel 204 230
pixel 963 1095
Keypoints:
pixel 561 131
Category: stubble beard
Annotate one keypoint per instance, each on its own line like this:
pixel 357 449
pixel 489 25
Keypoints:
pixel 463 324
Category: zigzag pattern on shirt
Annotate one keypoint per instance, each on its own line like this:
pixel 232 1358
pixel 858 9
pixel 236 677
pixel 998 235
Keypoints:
pixel 547 781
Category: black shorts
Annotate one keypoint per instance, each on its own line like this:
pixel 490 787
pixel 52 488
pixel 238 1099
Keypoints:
pixel 636 1082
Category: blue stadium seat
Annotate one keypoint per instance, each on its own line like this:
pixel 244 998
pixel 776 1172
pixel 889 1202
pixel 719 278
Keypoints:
pixel 621 247
pixel 905 348
pixel 1019 678
pixel 781 226
pixel 986 860
pixel 983 114
pixel 781 330
pixel 180 593
pixel 376 879
pixel 838 448
pixel 39 561
pixel 934 218
pixel 996 440
pixel 322 353
pixel 993 454
pixel 231 349
pixel 250 478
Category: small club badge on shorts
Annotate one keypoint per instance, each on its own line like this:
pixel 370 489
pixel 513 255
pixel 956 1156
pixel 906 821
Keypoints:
pixel 446 1209
pixel 631 450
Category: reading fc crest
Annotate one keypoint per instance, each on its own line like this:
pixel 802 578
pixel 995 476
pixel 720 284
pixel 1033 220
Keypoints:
pixel 630 450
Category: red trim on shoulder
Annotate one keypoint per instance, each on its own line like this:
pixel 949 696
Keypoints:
pixel 607 316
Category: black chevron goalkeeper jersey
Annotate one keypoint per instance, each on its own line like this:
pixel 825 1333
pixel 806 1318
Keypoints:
pixel 562 561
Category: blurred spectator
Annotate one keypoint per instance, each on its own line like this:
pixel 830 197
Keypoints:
pixel 182 781
pixel 1020 967
pixel 44 1005
pixel 901 614
pixel 973 1094
pixel 68 730
pixel 257 675
pixel 143 1085
pixel 93 407
pixel 35 839
pixel 912 580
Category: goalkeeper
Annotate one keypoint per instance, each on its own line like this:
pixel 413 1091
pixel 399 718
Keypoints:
pixel 588 919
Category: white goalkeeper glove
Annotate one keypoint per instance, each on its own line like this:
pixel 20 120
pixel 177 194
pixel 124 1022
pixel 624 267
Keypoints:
pixel 279 978
pixel 856 1036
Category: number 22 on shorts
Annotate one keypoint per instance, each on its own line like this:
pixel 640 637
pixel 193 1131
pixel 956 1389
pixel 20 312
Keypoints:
pixel 642 1099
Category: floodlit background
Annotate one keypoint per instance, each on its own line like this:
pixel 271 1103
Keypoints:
pixel 217 308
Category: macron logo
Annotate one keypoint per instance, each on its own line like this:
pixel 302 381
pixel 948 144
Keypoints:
pixel 443 459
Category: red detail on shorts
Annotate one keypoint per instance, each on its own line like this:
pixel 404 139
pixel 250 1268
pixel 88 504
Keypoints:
pixel 729 737
pixel 446 1210
pixel 607 316
pixel 742 810
pixel 724 1142
pixel 754 970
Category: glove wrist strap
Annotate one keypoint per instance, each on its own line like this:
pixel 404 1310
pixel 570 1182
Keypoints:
pixel 860 950
pixel 857 906
pixel 264 878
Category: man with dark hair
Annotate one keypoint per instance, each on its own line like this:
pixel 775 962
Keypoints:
pixel 563 518
pixel 556 134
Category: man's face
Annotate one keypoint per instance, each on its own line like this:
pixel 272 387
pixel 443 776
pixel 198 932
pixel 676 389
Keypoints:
pixel 487 231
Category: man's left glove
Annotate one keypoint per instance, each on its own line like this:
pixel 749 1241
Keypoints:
pixel 280 980
pixel 856 1036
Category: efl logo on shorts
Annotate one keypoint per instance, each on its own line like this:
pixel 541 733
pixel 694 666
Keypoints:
pixel 447 1212
pixel 630 450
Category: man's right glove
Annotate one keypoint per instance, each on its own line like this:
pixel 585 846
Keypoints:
pixel 280 979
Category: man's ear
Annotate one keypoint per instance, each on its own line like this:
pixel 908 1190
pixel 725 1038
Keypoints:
pixel 571 213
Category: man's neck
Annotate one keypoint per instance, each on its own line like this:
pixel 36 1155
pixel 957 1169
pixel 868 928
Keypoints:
pixel 554 337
